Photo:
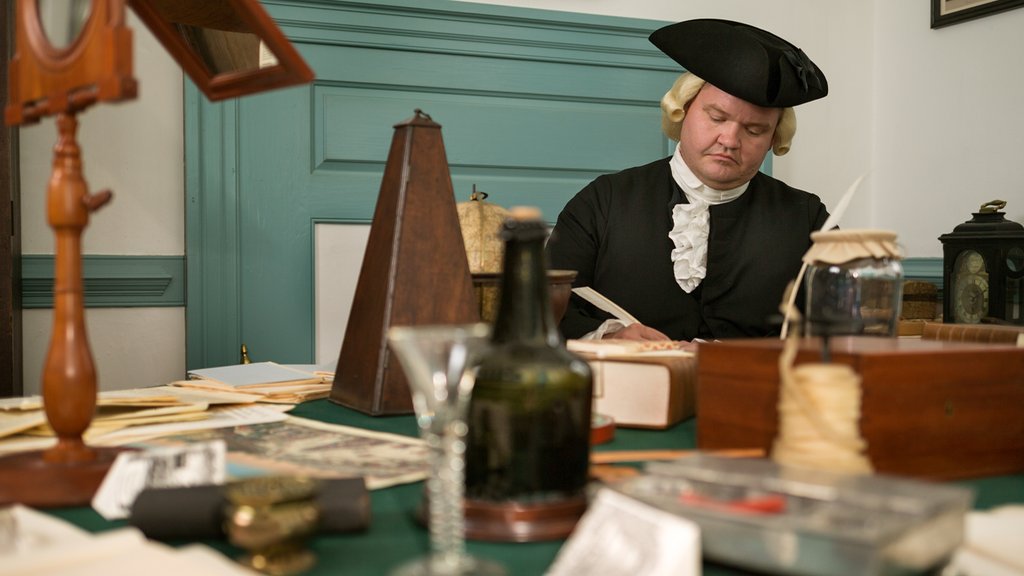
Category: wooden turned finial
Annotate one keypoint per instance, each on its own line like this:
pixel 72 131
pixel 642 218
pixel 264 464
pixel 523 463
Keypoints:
pixel 69 376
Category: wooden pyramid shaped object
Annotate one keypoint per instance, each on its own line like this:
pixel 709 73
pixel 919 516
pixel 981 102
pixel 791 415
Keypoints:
pixel 415 271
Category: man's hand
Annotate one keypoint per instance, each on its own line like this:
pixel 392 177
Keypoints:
pixel 637 331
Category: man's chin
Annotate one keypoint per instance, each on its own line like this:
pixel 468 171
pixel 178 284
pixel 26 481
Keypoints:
pixel 720 181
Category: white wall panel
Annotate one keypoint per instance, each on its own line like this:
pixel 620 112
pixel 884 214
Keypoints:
pixel 339 255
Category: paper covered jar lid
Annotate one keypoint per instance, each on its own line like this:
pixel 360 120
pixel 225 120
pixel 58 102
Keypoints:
pixel 839 246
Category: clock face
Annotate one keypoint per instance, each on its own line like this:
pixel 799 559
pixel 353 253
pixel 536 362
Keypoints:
pixel 970 288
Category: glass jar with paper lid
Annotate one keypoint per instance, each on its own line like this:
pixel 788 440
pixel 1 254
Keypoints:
pixel 854 283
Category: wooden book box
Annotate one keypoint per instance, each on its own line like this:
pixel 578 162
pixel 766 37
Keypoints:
pixel 930 409
pixel 415 271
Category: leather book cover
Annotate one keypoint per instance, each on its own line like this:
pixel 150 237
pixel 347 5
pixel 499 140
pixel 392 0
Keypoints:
pixel 993 333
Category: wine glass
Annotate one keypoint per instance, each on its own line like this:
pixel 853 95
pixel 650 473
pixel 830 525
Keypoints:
pixel 437 361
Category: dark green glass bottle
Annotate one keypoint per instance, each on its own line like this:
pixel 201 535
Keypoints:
pixel 529 417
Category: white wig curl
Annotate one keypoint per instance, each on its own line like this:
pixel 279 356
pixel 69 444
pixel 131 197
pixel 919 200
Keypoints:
pixel 675 102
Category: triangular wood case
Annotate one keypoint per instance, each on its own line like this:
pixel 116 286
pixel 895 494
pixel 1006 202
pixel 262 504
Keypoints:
pixel 414 272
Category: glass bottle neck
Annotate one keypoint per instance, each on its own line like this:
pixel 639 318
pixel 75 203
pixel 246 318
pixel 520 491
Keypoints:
pixel 524 313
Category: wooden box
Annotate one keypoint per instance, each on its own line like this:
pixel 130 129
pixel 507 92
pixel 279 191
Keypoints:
pixel 930 409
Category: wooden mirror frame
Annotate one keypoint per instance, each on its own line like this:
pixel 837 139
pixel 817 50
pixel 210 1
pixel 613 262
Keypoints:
pixel 290 69
pixel 96 66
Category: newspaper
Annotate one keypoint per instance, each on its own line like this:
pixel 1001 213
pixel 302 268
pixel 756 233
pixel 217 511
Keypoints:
pixel 307 447
pixel 167 467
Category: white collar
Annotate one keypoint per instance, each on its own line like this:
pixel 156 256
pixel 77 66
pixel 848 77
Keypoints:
pixel 694 188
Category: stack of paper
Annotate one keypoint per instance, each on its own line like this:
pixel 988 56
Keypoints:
pixel 221 397
pixel 125 415
pixel 267 381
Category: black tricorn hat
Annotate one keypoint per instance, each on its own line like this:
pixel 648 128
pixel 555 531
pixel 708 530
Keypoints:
pixel 745 61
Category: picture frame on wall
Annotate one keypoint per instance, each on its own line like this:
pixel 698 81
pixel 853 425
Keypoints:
pixel 947 12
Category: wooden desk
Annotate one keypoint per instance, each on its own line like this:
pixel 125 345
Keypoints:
pixel 394 536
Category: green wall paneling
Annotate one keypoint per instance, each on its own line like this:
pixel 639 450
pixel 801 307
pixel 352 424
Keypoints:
pixel 212 317
pixel 159 281
pixel 925 269
pixel 110 281
pixel 533 104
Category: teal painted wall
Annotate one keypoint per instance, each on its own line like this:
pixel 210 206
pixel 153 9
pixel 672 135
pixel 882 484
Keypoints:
pixel 110 281
pixel 533 105
pixel 159 281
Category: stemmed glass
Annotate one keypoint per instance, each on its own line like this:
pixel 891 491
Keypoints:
pixel 437 361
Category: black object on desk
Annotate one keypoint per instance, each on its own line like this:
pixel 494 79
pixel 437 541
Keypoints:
pixel 197 512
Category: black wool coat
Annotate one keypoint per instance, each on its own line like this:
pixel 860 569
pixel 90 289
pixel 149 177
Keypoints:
pixel 614 233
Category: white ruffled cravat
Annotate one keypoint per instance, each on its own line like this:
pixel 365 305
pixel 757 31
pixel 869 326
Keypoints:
pixel 692 223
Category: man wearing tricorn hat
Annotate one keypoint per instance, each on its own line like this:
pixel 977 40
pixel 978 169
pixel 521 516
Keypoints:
pixel 700 244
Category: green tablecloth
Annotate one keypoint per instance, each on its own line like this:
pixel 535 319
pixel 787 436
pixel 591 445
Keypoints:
pixel 395 537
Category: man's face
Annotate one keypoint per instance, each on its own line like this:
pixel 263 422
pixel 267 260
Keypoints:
pixel 724 139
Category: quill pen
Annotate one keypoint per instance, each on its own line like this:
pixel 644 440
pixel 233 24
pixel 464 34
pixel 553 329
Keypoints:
pixel 833 218
pixel 831 222
pixel 602 302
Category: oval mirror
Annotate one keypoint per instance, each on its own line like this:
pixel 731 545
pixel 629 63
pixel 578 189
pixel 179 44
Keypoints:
pixel 216 32
pixel 63 20
pixel 229 48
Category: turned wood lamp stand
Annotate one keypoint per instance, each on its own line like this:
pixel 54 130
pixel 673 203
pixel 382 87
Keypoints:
pixel 92 63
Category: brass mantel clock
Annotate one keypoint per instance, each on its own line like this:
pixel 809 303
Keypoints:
pixel 983 269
